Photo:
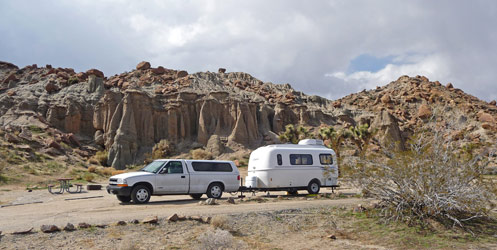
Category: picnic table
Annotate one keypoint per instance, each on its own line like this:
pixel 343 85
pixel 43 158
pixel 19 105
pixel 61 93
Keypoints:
pixel 65 185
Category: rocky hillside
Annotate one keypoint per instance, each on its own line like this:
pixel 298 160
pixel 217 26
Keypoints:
pixel 223 112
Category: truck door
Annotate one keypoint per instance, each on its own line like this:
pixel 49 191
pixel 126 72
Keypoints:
pixel 173 179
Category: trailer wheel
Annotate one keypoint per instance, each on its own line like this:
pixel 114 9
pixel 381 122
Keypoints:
pixel 215 190
pixel 313 187
pixel 196 196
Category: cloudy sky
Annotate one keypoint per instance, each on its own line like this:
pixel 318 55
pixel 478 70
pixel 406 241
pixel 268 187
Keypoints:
pixel 329 48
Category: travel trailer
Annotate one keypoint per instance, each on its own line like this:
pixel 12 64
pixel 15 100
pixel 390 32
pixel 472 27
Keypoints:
pixel 308 165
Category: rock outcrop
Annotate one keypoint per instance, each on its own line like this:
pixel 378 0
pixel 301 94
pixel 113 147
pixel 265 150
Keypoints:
pixel 128 114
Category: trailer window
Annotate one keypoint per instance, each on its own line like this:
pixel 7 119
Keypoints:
pixel 326 159
pixel 280 160
pixel 300 159
pixel 212 167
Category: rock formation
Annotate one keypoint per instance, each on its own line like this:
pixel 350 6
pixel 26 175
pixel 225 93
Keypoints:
pixel 128 114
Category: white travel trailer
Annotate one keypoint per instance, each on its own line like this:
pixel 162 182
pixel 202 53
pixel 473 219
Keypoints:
pixel 308 165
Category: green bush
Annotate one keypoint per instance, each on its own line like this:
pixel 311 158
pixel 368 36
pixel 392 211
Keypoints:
pixel 73 80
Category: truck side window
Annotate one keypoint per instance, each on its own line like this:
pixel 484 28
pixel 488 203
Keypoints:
pixel 300 159
pixel 280 160
pixel 174 167
pixel 326 159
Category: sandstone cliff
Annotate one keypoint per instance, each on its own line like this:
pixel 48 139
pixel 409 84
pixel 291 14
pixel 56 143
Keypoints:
pixel 128 114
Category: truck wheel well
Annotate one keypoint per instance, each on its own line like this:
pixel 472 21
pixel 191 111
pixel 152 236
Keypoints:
pixel 148 185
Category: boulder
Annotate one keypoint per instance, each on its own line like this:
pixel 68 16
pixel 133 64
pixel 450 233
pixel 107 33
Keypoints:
pixel 95 84
pixel 122 223
pixel 449 85
pixel 11 138
pixel 385 98
pixel 485 117
pixel 11 93
pixel 51 87
pixel 388 129
pixel 159 70
pixel 150 220
pixel 11 77
pixel 215 146
pixel 53 144
pixel 143 65
pixel 493 102
pixel 49 228
pixel 69 227
pixel 181 74
pixel 221 70
pixel 95 72
pixel 424 111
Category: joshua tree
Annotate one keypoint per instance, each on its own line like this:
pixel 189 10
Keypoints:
pixel 360 136
pixel 333 138
pixel 293 135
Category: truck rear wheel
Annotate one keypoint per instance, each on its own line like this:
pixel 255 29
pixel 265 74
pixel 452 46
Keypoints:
pixel 313 187
pixel 196 196
pixel 123 198
pixel 140 194
pixel 215 190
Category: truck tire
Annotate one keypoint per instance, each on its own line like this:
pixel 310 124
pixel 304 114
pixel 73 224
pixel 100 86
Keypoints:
pixel 123 198
pixel 313 187
pixel 196 196
pixel 140 194
pixel 215 190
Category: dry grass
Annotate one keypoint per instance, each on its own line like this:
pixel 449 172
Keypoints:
pixel 92 169
pixel 201 154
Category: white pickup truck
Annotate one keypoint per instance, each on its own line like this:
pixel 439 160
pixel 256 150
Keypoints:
pixel 176 176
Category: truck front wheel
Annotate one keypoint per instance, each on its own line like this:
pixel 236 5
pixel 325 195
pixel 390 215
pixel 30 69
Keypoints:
pixel 140 194
pixel 123 198
pixel 215 190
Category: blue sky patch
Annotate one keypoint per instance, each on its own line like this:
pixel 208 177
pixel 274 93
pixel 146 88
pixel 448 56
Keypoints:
pixel 366 62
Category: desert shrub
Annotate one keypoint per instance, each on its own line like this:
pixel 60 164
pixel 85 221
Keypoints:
pixel 163 149
pixel 219 239
pixel 73 80
pixel 220 221
pixel 3 178
pixel 92 169
pixel 201 154
pixel 106 171
pixel 100 157
pixel 433 179
pixel 88 177
pixel 35 129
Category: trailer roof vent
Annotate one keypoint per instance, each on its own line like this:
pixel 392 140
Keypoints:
pixel 311 142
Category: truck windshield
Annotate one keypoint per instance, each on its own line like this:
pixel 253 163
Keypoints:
pixel 153 167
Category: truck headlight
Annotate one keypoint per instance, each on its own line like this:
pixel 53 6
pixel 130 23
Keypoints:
pixel 122 182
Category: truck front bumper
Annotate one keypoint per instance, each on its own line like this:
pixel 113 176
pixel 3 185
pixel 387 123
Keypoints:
pixel 122 191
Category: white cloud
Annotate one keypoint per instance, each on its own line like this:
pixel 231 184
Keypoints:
pixel 433 66
pixel 288 41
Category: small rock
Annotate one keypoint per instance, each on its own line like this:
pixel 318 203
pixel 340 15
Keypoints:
pixel 231 200
pixel 150 220
pixel 53 144
pixel 11 93
pixel 201 203
pixel 23 231
pixel 69 227
pixel 449 85
pixel 123 223
pixel 135 221
pixel 49 228
pixel 84 225
pixel 196 218
pixel 493 102
pixel 11 138
pixel 221 70
pixel 211 201
pixel 206 220
pixel 101 225
pixel 181 73
pixel 173 218
pixel 181 217
pixel 11 77
pixel 485 117
pixel 332 236
pixel 143 65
